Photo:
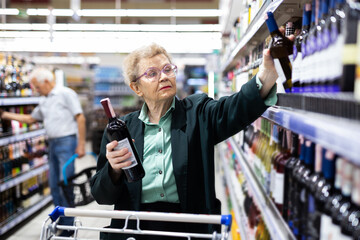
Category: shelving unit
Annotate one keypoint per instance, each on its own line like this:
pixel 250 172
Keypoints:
pixel 339 134
pixel 277 227
pixel 257 30
pixel 17 180
pixel 331 120
pixel 18 217
pixel 19 101
pixel 24 215
pixel 16 138
pixel 236 196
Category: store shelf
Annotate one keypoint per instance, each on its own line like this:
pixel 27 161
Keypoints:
pixel 341 135
pixel 257 30
pixel 24 215
pixel 108 80
pixel 236 196
pixel 20 137
pixel 19 101
pixel 113 93
pixel 277 227
pixel 342 104
pixel 23 177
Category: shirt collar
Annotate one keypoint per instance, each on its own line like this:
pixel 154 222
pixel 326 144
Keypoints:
pixel 144 112
pixel 53 91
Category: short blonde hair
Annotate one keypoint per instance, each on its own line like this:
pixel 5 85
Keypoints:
pixel 131 62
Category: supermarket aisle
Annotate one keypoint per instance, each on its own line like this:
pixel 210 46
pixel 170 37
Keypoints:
pixel 32 229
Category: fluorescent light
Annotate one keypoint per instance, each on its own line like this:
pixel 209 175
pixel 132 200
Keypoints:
pixel 115 27
pixel 128 12
pixel 25 26
pixel 9 11
pixel 65 60
pixel 63 12
pixel 123 43
pixel 38 12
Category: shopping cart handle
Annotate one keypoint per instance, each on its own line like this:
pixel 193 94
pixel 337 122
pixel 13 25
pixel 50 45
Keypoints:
pixel 226 220
pixel 71 159
pixel 57 212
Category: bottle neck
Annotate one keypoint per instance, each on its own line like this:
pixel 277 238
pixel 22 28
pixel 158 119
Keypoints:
pixel 271 24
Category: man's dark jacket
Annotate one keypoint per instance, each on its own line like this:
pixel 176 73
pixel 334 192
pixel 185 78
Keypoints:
pixel 198 123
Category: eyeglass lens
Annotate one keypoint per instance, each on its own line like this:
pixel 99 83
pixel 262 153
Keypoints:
pixel 153 74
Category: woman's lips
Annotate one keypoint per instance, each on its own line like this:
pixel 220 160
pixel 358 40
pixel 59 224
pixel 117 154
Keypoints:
pixel 166 87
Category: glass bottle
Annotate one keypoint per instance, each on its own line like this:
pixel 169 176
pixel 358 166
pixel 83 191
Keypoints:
pixel 117 130
pixel 280 48
pixel 297 49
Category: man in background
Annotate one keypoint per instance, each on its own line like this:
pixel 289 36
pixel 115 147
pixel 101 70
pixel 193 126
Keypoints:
pixel 64 122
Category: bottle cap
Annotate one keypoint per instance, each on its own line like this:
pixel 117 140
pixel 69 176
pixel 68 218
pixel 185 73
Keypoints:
pixel 328 165
pixel 270 22
pixel 109 111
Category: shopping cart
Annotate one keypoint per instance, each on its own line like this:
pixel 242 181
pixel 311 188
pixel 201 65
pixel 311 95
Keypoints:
pixel 80 183
pixel 50 226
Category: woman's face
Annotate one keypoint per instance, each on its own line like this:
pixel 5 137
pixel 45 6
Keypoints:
pixel 154 91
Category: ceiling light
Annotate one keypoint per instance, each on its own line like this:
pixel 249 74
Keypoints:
pixel 9 11
pixel 113 27
pixel 128 12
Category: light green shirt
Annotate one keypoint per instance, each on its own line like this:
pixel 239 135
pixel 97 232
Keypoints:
pixel 159 181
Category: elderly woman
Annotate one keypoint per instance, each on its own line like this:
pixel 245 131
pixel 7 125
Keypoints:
pixel 175 140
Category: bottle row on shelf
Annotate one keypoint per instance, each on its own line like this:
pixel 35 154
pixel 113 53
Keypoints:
pixel 12 127
pixel 251 221
pixel 19 157
pixel 315 189
pixel 14 72
pixel 15 200
pixel 323 57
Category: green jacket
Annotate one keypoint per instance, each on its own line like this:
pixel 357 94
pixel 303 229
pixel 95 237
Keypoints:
pixel 198 124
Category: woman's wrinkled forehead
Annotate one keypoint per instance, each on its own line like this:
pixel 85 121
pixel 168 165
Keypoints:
pixel 157 61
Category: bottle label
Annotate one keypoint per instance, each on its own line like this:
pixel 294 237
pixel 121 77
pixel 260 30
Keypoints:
pixel 326 228
pixel 279 188
pixel 126 144
pixel 349 54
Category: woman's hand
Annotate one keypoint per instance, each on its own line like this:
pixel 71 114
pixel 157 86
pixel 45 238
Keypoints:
pixel 118 159
pixel 267 72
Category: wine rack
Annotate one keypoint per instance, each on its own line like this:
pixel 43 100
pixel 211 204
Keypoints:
pixel 21 207
pixel 328 119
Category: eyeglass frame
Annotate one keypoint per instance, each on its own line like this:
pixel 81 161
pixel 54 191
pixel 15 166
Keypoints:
pixel 161 71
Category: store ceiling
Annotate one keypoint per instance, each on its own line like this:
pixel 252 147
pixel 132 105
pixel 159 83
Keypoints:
pixel 71 39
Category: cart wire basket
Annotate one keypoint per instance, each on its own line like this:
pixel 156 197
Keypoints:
pixel 79 183
pixel 50 226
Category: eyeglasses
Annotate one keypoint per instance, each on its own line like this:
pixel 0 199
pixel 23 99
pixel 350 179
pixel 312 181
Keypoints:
pixel 153 74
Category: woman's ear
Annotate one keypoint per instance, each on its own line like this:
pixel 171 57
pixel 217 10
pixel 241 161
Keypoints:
pixel 134 86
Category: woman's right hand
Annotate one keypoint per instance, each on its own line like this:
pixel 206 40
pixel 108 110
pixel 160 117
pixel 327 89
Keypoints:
pixel 118 159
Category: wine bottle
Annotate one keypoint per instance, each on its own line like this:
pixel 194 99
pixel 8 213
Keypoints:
pixel 352 13
pixel 288 177
pixel 280 48
pixel 324 192
pixel 303 179
pixel 352 217
pixel 280 172
pixel 117 130
pixel 298 51
pixel 313 223
pixel 299 167
pixel 342 209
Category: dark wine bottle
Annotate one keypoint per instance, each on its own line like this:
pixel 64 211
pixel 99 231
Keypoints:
pixel 117 130
pixel 288 177
pixel 297 49
pixel 280 48
pixel 314 205
pixel 351 218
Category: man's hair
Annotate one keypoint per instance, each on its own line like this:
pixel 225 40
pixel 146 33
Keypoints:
pixel 41 74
